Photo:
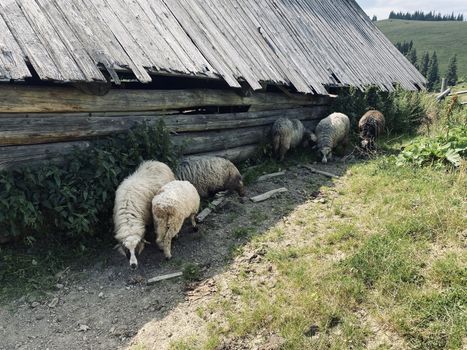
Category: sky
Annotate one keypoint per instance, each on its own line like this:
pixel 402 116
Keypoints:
pixel 381 8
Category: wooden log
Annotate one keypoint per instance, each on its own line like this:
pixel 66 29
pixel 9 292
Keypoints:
pixel 211 141
pixel 267 195
pixel 270 176
pixel 324 173
pixel 443 94
pixel 164 277
pixel 458 93
pixel 236 154
pixel 29 99
pixel 17 156
pixel 34 129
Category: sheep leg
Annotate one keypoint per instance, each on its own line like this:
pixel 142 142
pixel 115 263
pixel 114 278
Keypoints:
pixel 193 222
pixel 283 151
pixel 167 244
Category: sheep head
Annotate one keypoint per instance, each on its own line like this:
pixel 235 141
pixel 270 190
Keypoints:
pixel 130 247
pixel 327 154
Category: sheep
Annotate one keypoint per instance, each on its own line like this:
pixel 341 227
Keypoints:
pixel 331 131
pixel 371 125
pixel 287 134
pixel 132 209
pixel 175 202
pixel 210 175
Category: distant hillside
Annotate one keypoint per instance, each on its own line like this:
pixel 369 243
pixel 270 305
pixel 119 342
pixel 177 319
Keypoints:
pixel 447 38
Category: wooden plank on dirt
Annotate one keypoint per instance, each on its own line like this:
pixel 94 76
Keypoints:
pixel 265 196
pixel 30 99
pixel 324 173
pixel 164 277
pixel 270 176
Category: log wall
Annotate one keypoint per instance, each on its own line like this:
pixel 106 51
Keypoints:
pixel 39 124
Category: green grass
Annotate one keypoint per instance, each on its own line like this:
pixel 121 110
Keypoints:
pixel 447 38
pixel 395 259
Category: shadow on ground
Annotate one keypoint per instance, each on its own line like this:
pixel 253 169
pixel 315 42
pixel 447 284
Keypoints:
pixel 104 306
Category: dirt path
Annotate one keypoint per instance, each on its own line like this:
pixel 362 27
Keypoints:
pixel 106 306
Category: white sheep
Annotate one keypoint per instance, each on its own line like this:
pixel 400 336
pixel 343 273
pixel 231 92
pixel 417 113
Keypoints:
pixel 287 134
pixel 176 201
pixel 371 125
pixel 330 132
pixel 210 175
pixel 132 209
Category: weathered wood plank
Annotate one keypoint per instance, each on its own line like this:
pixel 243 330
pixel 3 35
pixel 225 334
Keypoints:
pixel 265 196
pixel 29 99
pixel 13 157
pixel 34 129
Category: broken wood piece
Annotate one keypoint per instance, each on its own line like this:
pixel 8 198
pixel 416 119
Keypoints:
pixel 270 176
pixel 210 208
pixel 164 277
pixel 443 94
pixel 325 173
pixel 267 195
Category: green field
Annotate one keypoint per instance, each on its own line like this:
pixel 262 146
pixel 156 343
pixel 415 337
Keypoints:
pixel 447 38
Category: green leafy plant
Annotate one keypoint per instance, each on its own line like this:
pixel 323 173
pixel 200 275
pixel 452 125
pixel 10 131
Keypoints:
pixel 447 149
pixel 75 199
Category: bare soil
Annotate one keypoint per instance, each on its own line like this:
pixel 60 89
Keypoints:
pixel 106 306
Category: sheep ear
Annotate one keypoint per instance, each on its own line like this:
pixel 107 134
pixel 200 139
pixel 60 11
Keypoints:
pixel 313 137
pixel 146 242
pixel 140 247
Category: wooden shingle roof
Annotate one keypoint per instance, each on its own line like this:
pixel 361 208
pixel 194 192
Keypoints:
pixel 310 44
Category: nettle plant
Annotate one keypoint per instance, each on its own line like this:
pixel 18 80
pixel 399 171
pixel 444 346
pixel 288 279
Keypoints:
pixel 75 199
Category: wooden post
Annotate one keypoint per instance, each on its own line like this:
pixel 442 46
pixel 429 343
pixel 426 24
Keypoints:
pixel 443 85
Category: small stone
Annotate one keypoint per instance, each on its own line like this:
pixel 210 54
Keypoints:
pixel 80 288
pixel 322 200
pixel 34 304
pixel 39 317
pixel 59 286
pixel 83 328
pixel 112 330
pixel 53 303
pixel 34 262
pixel 101 295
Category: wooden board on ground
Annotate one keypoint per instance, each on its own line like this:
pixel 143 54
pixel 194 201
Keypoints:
pixel 316 171
pixel 265 196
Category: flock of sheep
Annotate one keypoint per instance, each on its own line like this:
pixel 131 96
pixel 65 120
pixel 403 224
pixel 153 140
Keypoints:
pixel 154 193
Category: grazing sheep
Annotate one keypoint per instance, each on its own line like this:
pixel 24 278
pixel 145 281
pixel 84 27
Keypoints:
pixel 287 134
pixel 210 175
pixel 331 131
pixel 132 209
pixel 371 125
pixel 175 202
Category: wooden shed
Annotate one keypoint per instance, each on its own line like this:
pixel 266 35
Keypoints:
pixel 218 72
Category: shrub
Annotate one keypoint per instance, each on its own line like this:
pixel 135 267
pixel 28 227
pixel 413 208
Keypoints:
pixel 75 199
pixel 404 110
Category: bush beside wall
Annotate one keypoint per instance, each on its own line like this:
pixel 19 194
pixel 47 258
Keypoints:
pixel 75 199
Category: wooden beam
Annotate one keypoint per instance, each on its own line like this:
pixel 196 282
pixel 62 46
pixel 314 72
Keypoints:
pixel 46 128
pixel 30 99
pixel 265 196
pixel 17 156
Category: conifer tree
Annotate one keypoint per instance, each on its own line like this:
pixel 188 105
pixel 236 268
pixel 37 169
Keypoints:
pixel 424 64
pixel 433 73
pixel 412 56
pixel 451 75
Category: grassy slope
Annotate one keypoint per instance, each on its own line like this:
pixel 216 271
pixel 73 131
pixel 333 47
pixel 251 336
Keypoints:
pixel 447 38
pixel 379 265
